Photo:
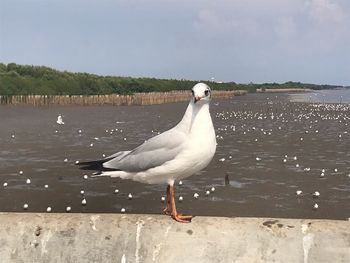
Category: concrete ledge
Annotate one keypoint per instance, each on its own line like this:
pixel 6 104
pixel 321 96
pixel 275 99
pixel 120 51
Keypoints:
pixel 26 237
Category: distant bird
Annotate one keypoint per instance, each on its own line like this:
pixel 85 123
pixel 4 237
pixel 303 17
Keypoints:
pixel 299 192
pixel 172 155
pixel 60 120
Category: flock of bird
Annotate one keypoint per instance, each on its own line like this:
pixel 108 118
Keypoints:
pixel 253 126
pixel 307 114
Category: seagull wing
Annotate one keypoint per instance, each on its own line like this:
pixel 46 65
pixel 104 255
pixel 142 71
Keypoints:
pixel 152 153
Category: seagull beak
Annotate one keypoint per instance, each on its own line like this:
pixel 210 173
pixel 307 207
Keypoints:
pixel 196 98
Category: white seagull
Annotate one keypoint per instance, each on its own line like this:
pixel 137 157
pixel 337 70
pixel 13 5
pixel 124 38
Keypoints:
pixel 172 155
pixel 60 120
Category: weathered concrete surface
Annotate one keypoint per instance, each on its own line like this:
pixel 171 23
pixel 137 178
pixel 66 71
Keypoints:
pixel 26 237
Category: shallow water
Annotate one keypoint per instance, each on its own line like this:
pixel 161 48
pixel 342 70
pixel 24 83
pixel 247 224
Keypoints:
pixel 323 96
pixel 263 126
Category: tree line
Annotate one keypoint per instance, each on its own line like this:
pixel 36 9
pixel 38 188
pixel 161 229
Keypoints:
pixel 16 79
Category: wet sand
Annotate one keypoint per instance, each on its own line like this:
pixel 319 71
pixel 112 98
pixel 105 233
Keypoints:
pixel 255 132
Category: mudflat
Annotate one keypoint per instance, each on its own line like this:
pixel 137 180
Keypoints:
pixel 268 149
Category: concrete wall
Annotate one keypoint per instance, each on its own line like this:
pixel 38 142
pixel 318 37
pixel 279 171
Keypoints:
pixel 26 237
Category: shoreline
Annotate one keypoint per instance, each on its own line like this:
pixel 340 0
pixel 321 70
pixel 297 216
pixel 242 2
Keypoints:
pixel 138 99
pixel 296 90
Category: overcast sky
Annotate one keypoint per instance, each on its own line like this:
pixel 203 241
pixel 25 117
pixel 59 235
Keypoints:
pixel 231 40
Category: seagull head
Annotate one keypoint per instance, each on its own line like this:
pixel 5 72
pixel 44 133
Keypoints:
pixel 201 93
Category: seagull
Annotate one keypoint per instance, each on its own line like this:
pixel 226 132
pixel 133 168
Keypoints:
pixel 172 155
pixel 60 120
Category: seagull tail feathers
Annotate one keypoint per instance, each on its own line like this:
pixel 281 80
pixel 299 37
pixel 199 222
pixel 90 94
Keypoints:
pixel 96 165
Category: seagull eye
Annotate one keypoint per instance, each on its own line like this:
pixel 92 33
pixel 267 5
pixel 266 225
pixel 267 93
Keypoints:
pixel 206 92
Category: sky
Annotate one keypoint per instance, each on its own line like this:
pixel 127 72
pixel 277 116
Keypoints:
pixel 231 40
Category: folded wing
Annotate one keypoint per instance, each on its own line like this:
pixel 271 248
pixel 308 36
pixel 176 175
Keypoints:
pixel 152 153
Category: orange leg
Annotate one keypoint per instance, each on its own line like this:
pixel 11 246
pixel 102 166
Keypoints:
pixel 166 209
pixel 174 214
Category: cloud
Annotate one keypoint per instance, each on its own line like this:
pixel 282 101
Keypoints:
pixel 327 24
pixel 326 12
pixel 279 20
pixel 217 22
pixel 252 20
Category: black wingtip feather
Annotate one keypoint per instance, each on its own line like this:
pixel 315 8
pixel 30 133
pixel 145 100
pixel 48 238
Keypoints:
pixel 95 165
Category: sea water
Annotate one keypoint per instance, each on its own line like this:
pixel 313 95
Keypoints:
pixel 323 96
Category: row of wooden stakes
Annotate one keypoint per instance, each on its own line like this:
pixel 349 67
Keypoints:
pixel 112 99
